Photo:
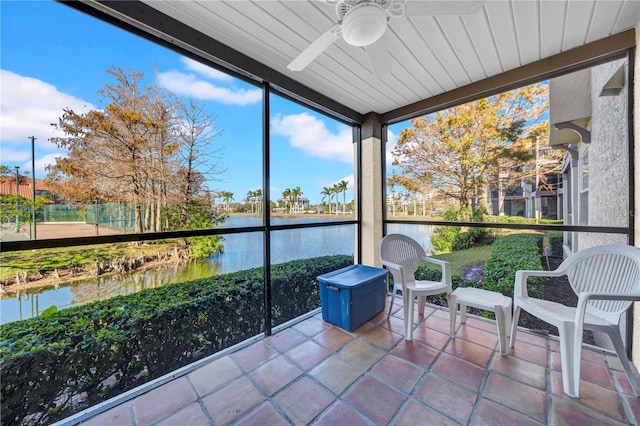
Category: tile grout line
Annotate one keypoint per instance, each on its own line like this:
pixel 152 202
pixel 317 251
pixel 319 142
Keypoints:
pixel 199 400
pixel 620 391
pixel 548 379
pixel 131 413
pixel 627 408
pixel 429 371
pixel 481 389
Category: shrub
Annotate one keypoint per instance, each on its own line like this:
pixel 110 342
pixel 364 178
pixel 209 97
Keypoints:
pixel 508 255
pixel 60 364
pixel 518 219
pixel 555 243
pixel 203 247
pixel 453 238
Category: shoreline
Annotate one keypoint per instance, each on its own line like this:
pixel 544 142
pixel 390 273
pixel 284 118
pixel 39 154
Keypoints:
pixel 67 277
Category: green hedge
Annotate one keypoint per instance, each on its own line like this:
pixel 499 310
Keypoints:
pixel 519 219
pixel 55 366
pixel 556 239
pixel 508 255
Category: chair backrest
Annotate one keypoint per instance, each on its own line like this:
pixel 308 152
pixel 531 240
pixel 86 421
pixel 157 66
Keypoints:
pixel 612 269
pixel 405 251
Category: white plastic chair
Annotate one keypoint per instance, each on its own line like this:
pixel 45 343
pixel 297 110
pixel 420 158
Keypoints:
pixel 402 256
pixel 606 280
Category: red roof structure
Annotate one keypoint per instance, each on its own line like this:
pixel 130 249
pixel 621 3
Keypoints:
pixel 8 186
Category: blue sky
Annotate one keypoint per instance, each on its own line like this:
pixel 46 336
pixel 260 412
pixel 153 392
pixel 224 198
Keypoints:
pixel 53 57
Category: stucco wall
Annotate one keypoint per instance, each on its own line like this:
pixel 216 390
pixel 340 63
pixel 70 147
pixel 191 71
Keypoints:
pixel 608 158
pixel 371 220
pixel 608 167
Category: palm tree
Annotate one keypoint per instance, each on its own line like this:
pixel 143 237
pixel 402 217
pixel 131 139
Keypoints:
pixel 342 187
pixel 227 197
pixel 256 200
pixel 297 193
pixel 336 190
pixel 286 194
pixel 249 198
pixel 327 193
pixel 258 197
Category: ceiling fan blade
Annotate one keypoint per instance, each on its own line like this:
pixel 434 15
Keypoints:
pixel 430 8
pixel 379 61
pixel 315 49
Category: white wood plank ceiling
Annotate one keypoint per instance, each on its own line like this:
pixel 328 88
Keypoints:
pixel 429 55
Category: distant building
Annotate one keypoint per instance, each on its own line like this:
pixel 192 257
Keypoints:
pixel 8 187
pixel 532 197
pixel 588 111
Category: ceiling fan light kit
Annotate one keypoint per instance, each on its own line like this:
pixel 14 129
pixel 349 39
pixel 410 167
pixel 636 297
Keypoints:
pixel 364 24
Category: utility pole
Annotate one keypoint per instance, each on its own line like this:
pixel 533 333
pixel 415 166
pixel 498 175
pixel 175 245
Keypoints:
pixel 33 184
pixel 17 195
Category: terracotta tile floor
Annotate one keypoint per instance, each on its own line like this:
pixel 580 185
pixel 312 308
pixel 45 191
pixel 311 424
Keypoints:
pixel 316 373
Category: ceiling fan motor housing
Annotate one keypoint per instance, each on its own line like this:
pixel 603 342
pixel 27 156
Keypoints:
pixel 364 24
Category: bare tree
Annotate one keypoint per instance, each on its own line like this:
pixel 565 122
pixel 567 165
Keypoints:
pixel 199 161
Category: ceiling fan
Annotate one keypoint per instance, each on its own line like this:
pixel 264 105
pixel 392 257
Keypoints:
pixel 362 23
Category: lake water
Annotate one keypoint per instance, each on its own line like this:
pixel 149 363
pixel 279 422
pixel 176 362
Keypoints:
pixel 241 251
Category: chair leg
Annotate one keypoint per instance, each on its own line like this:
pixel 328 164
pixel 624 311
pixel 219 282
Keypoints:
pixel 422 301
pixel 502 324
pixel 570 358
pixel 514 325
pixel 616 339
pixel 394 294
pixel 463 314
pixel 393 298
pixel 453 311
pixel 408 320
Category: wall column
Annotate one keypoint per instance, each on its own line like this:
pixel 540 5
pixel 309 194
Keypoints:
pixel 371 186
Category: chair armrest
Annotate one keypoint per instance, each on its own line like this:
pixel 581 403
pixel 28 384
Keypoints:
pixel 397 271
pixel 520 285
pixel 428 259
pixel 446 268
pixel 583 298
pixel 391 265
pixel 589 295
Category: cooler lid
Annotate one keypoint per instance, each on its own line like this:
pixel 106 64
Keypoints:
pixel 353 276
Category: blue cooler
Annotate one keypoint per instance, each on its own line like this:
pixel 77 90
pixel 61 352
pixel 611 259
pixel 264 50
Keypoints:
pixel 353 295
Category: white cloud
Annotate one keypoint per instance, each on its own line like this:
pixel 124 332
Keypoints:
pixel 392 140
pixel 205 70
pixel 28 106
pixel 22 159
pixel 349 179
pixel 41 162
pixel 189 85
pixel 310 134
pixel 12 156
pixel 350 187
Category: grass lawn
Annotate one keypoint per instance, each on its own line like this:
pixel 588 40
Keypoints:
pixel 462 258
